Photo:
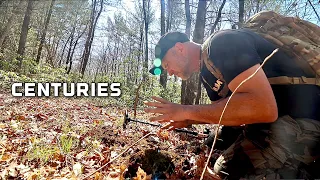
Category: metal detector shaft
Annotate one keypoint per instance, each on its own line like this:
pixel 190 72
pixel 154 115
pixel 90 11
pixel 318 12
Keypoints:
pixel 127 120
pixel 143 122
pixel 159 125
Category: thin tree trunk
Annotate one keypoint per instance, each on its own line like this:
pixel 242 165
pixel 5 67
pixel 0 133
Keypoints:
pixel 241 13
pixel 10 21
pixel 188 32
pixel 315 11
pixel 63 50
pixel 24 32
pixel 70 45
pixel 162 3
pixel 198 35
pixel 140 50
pixel 86 52
pixel 218 17
pixel 163 75
pixel 56 49
pixel 146 27
pixel 117 65
pixel 188 18
pixel 113 65
pixel 44 33
pixel 258 6
pixel 89 41
pixel 73 50
pixel 169 12
pixel 71 56
pixel 49 47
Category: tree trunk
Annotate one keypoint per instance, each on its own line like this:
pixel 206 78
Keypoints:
pixel 44 33
pixel 188 32
pixel 169 12
pixel 63 50
pixel 198 34
pixel 146 27
pixel 87 49
pixel 70 47
pixel 10 21
pixel 258 6
pixel 140 50
pixel 73 50
pixel 188 18
pixel 241 12
pixel 163 75
pixel 162 17
pixel 24 32
pixel 56 50
pixel 218 17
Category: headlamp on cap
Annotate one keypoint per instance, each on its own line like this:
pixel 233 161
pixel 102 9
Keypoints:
pixel 157 64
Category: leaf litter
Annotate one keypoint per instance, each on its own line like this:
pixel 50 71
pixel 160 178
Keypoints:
pixel 70 138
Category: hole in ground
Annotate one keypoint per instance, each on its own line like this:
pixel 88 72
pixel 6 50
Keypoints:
pixel 152 161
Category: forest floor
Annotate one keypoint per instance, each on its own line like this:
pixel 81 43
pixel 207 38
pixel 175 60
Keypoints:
pixel 71 138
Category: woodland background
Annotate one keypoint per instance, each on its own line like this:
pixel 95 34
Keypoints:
pixel 106 41
pixel 113 40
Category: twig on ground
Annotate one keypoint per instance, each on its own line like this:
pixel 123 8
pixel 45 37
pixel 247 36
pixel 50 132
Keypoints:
pixel 225 107
pixel 151 133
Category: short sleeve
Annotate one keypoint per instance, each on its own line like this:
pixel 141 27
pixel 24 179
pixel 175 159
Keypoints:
pixel 213 96
pixel 233 52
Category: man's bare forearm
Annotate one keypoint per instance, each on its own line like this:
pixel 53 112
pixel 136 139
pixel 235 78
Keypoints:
pixel 190 122
pixel 243 108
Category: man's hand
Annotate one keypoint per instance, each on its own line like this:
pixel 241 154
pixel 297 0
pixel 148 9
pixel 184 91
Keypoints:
pixel 176 124
pixel 169 110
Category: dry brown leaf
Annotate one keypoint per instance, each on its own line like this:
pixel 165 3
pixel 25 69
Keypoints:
pixel 41 117
pixel 113 176
pixel 98 176
pixel 58 157
pixel 122 170
pixel 163 134
pixel 141 175
pixel 5 157
pixel 2 126
pixel 97 121
pixel 33 176
pixel 21 117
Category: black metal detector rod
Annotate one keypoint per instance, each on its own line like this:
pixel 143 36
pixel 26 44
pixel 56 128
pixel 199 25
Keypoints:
pixel 127 119
pixel 143 122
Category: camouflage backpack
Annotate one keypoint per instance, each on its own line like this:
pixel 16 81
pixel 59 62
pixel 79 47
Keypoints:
pixel 298 38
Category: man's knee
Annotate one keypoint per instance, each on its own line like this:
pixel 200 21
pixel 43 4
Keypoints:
pixel 234 163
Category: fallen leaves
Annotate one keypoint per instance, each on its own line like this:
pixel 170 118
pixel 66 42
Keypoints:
pixel 41 117
pixel 5 157
pixel 77 169
pixel 66 138
pixel 141 175
pixel 163 134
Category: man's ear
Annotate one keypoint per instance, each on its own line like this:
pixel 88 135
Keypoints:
pixel 180 47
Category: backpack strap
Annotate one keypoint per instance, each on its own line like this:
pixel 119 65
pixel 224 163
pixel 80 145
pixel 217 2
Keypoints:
pixel 294 80
pixel 216 72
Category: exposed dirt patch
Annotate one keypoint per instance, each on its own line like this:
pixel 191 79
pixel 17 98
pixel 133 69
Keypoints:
pixel 152 161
